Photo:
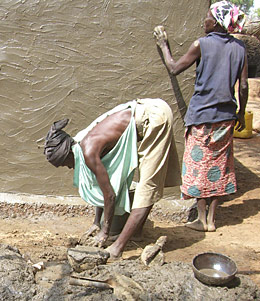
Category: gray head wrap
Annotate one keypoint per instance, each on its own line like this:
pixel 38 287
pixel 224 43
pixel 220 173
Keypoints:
pixel 57 143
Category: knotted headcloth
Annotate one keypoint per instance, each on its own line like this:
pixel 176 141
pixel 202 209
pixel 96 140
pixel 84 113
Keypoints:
pixel 57 143
pixel 228 15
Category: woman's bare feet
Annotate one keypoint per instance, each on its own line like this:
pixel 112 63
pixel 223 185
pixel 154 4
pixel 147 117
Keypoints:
pixel 211 215
pixel 211 227
pixel 197 225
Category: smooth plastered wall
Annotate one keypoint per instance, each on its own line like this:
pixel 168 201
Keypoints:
pixel 78 59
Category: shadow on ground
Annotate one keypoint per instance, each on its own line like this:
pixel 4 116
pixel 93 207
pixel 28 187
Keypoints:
pixel 239 206
pixel 246 179
pixel 177 237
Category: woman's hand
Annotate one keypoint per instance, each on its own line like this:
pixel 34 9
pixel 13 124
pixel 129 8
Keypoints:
pixel 240 122
pixel 160 36
pixel 99 240
pixel 91 232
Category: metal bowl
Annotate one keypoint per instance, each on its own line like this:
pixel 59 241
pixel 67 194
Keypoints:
pixel 214 268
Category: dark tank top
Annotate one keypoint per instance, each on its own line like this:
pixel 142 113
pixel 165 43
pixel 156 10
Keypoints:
pixel 220 65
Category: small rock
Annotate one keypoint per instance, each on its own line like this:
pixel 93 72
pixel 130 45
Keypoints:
pixel 161 241
pixel 158 260
pixel 38 266
pixel 152 254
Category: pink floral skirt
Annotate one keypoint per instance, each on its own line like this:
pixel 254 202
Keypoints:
pixel 208 161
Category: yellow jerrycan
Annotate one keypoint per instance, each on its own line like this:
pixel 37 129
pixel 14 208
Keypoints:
pixel 248 130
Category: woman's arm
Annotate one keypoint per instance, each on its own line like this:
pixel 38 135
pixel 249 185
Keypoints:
pixel 176 67
pixel 242 96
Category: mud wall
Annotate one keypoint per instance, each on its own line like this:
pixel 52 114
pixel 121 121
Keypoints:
pixel 78 59
pixel 253 54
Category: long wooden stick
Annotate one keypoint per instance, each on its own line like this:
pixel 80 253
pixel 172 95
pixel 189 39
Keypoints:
pixel 89 283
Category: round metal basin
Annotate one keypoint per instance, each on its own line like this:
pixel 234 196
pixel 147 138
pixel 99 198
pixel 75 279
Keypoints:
pixel 214 268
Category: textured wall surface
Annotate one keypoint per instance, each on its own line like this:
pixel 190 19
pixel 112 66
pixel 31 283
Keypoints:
pixel 253 53
pixel 77 59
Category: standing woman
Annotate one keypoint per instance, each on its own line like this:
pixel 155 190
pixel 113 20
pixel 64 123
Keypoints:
pixel 208 163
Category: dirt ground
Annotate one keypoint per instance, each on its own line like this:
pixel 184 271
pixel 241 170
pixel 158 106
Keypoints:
pixel 47 239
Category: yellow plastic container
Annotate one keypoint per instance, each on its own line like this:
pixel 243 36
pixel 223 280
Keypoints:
pixel 248 131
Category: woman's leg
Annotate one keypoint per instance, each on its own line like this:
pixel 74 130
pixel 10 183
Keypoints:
pixel 200 224
pixel 211 214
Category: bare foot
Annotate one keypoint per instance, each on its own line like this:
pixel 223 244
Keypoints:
pixel 197 225
pixel 211 227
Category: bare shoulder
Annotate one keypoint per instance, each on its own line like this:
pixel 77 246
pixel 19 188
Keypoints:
pixel 114 122
pixel 194 50
pixel 105 134
pixel 196 43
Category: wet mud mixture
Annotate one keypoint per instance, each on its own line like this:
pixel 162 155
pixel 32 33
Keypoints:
pixel 129 279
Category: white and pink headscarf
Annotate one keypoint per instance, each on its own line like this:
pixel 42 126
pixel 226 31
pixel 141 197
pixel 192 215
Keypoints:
pixel 228 15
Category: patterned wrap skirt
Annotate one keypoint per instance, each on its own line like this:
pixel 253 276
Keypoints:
pixel 208 160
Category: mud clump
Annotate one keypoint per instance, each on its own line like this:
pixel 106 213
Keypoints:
pixel 16 276
pixel 175 281
pixel 86 258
